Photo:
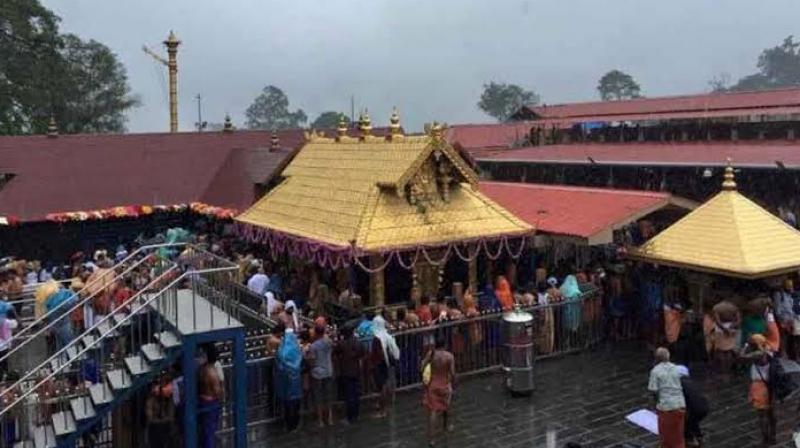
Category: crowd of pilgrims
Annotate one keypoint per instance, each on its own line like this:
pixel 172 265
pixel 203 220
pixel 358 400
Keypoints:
pixel 734 332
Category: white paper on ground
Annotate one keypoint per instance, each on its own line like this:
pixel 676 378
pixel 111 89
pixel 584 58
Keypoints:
pixel 644 418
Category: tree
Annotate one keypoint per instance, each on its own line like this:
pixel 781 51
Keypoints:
pixel 99 93
pixel 270 110
pixel 45 73
pixel 778 66
pixel 616 85
pixel 720 83
pixel 501 100
pixel 329 120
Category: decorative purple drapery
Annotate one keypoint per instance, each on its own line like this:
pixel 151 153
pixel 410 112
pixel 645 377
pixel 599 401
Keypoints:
pixel 335 256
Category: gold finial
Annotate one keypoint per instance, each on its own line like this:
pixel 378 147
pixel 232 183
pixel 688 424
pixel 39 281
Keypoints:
pixel 172 40
pixel 729 183
pixel 364 124
pixel 341 131
pixel 52 128
pixel 274 142
pixel 436 130
pixel 394 124
pixel 227 127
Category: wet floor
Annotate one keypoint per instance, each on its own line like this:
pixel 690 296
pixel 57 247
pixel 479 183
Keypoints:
pixel 583 398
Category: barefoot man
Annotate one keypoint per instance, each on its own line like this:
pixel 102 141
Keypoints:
pixel 439 390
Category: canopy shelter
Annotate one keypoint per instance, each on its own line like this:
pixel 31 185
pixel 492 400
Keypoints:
pixel 580 215
pixel 406 197
pixel 728 235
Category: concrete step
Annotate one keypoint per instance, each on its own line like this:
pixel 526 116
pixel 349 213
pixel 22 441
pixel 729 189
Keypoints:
pixel 120 317
pixel 168 339
pixel 137 365
pixel 69 355
pixel 63 423
pixel 23 444
pixel 104 328
pixel 101 394
pixel 153 352
pixel 44 437
pixel 82 408
pixel 119 379
pixel 88 340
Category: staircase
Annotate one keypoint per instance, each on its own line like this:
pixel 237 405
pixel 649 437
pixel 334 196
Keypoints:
pixel 29 343
pixel 125 351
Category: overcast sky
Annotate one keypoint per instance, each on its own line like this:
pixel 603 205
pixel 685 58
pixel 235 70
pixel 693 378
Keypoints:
pixel 427 57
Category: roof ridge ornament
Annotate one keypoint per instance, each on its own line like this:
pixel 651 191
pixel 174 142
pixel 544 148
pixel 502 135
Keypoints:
pixel 274 142
pixel 364 125
pixel 341 130
pixel 437 131
pixel 729 182
pixel 52 127
pixel 227 127
pixel 394 125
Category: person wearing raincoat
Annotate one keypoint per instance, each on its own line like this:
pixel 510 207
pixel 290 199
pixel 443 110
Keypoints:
pixel 56 302
pixel 571 293
pixel 288 378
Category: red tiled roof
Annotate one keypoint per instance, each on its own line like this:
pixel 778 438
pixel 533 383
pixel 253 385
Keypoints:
pixel 491 135
pixel 589 213
pixel 743 154
pixel 90 172
pixel 779 101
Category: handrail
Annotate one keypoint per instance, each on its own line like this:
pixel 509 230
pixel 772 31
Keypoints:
pixel 122 262
pixel 17 336
pixel 77 339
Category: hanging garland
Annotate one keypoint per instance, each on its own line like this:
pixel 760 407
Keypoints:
pixel 410 266
pixel 136 211
pixel 469 258
pixel 437 263
pixel 335 256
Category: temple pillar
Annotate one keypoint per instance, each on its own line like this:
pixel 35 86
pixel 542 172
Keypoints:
pixel 377 285
pixel 427 278
pixel 790 134
pixel 734 134
pixel 472 269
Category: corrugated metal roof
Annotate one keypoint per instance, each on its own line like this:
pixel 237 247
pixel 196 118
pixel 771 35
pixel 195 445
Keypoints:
pixel 730 103
pixel 91 172
pixel 762 154
pixel 729 235
pixel 588 213
pixel 490 135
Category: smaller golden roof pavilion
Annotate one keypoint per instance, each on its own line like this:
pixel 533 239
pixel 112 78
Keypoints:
pixel 344 198
pixel 728 235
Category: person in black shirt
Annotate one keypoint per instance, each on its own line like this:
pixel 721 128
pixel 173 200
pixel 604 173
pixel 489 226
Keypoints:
pixel 696 408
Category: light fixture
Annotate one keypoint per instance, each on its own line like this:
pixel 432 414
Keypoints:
pixel 707 173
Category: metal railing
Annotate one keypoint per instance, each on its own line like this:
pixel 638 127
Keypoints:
pixel 559 329
pixel 45 323
pixel 118 334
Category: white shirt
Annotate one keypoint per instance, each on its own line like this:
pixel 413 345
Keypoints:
pixel 45 276
pixel 31 278
pixel 6 328
pixel 258 283
pixel 272 302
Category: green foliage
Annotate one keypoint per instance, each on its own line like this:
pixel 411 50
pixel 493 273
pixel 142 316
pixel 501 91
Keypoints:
pixel 778 66
pixel 329 120
pixel 616 85
pixel 44 73
pixel 501 101
pixel 270 110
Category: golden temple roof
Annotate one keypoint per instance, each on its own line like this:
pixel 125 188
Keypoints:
pixel 381 193
pixel 729 235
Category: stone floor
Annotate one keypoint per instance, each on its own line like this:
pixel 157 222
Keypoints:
pixel 583 398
